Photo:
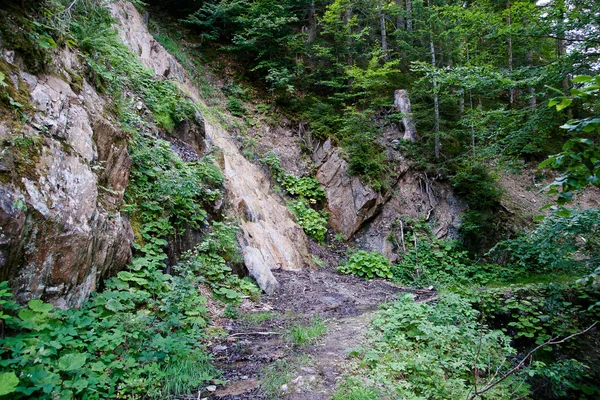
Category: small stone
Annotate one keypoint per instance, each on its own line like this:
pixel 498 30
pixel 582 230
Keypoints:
pixel 312 378
pixel 220 347
pixel 244 377
pixel 284 388
pixel 211 388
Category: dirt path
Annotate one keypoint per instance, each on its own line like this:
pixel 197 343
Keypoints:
pixel 259 359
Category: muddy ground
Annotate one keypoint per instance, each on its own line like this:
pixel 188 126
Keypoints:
pixel 256 354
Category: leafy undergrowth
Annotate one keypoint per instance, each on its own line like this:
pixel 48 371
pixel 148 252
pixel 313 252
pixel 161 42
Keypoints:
pixel 487 319
pixel 142 337
pixel 307 194
pixel 424 351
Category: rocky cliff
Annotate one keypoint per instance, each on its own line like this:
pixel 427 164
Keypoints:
pixel 63 172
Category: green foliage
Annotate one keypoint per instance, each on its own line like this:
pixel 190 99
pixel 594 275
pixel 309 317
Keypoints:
pixel 302 334
pixel 309 193
pixel 236 107
pixel 121 343
pixel 306 187
pixel 474 182
pixel 445 263
pixel 355 389
pixel 368 265
pixel 580 158
pixel 561 244
pixel 535 313
pixel 425 351
pixel 114 69
pixel 165 194
pixel 313 222
pixel 366 157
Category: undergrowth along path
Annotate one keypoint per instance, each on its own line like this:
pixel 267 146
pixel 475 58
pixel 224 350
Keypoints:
pixel 270 350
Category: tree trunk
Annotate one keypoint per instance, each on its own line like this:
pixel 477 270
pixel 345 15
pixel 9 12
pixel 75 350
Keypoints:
pixel 436 102
pixel 402 103
pixel 409 21
pixel 384 45
pixel 312 22
pixel 531 89
pixel 400 20
pixel 510 54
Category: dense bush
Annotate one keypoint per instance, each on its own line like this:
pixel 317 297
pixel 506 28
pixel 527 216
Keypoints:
pixel 445 263
pixel 430 351
pixel 561 244
pixel 367 265
pixel 313 222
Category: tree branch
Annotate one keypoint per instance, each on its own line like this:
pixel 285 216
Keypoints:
pixel 550 342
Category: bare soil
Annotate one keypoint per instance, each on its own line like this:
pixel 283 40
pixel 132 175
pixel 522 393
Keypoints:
pixel 345 303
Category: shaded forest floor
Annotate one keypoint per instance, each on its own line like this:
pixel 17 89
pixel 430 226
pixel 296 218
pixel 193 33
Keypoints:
pixel 294 344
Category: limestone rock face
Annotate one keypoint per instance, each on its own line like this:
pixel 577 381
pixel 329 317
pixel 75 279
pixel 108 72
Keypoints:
pixel 266 223
pixel 270 238
pixel 63 179
pixel 349 201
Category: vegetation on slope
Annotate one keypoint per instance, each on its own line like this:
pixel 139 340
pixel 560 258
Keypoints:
pixel 143 335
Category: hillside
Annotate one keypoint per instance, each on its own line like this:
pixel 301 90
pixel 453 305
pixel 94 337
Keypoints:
pixel 303 200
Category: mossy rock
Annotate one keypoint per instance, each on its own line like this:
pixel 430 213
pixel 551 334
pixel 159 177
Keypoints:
pixel 13 99
pixel 19 33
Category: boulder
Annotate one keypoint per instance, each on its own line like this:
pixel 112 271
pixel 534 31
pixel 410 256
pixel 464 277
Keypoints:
pixel 259 270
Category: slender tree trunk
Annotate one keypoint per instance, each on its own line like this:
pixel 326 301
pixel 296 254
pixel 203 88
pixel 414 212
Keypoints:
pixel 510 54
pixel 436 101
pixel 400 24
pixel 402 103
pixel 531 89
pixel 384 45
pixel 312 22
pixel 409 20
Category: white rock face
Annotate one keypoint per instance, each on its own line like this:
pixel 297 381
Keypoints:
pixel 271 238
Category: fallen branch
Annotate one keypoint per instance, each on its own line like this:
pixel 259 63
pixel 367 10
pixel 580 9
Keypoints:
pixel 255 333
pixel 550 342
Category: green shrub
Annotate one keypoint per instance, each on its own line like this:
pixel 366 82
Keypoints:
pixel 445 263
pixel 236 107
pixel 313 222
pixel 556 245
pixel 367 265
pixel 426 351
pixel 306 187
pixel 121 343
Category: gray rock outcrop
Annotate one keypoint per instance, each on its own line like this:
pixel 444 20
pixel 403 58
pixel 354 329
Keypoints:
pixel 349 202
pixel 62 181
